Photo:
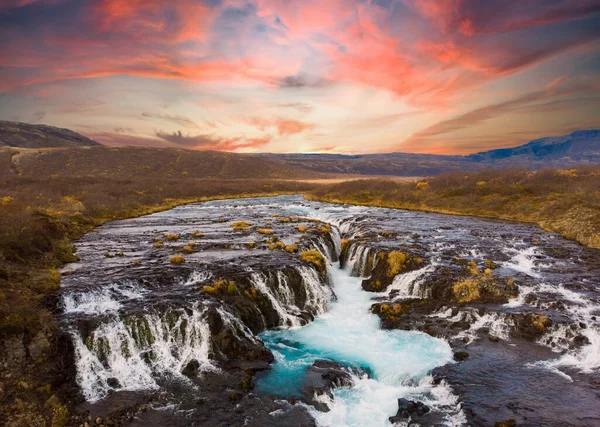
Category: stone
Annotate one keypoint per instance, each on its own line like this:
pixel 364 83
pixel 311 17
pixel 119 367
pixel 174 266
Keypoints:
pixel 459 356
pixel 38 345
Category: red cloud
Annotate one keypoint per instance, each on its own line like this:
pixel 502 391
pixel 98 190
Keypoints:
pixel 283 126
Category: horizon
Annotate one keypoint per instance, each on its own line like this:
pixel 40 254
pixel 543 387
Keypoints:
pixel 266 76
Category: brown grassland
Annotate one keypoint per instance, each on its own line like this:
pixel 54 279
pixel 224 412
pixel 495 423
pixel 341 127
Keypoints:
pixel 564 201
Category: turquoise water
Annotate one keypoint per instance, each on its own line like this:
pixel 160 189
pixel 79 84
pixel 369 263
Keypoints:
pixel 348 333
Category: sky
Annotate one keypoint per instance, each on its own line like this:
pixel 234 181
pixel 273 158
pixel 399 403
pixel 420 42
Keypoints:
pixel 331 76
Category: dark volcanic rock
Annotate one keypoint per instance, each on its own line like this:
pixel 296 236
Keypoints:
pixel 322 377
pixel 409 409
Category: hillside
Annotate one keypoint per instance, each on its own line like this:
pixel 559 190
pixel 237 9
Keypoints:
pixel 561 152
pixel 141 162
pixel 25 135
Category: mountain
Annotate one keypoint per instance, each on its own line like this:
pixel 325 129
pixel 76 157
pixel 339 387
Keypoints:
pixel 142 162
pixel 62 152
pixel 577 148
pixel 25 135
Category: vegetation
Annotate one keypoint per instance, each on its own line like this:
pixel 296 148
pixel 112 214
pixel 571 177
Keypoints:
pixel 564 201
pixel 314 257
pixel 240 226
pixel 177 259
pixel 266 231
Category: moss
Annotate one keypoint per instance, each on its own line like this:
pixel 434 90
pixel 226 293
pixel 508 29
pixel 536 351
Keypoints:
pixel 540 321
pixel 188 249
pixel 159 244
pixel 466 290
pixel 491 264
pixel 301 228
pixel 240 226
pixel 251 245
pixel 266 231
pixel 291 248
pixel 314 257
pixel 280 244
pixel 172 236
pixel 231 288
pixel 396 261
pixel 344 244
pixel 272 247
pixel 197 234
pixel 251 293
pixel 177 259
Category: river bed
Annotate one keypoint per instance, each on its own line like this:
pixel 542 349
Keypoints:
pixel 226 337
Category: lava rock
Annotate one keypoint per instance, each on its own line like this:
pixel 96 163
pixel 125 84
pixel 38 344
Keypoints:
pixel 459 356
pixel 325 375
pixel 409 409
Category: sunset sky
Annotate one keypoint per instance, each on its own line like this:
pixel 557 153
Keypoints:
pixel 342 76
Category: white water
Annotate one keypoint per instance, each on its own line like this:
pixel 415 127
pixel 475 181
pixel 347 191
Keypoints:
pixel 349 333
pixel 108 299
pixel 135 353
pixel 409 284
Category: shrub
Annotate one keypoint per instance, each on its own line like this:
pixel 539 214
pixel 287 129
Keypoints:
pixel 177 259
pixel 240 226
pixel 314 257
pixel 396 262
pixel 466 290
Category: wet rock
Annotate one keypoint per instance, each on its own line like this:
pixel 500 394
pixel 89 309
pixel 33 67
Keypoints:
pixel 113 383
pixel 191 369
pixel 387 266
pixel 459 356
pixel 322 377
pixel 409 409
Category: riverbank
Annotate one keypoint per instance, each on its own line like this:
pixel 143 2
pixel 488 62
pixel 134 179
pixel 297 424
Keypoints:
pixel 562 201
pixel 40 219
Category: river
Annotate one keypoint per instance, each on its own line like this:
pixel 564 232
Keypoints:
pixel 226 337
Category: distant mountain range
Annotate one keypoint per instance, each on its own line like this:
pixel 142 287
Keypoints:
pixel 577 148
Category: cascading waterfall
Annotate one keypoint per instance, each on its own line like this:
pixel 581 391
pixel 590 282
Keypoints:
pixel 284 300
pixel 350 334
pixel 131 353
pixel 360 260
pixel 286 318
pixel 409 284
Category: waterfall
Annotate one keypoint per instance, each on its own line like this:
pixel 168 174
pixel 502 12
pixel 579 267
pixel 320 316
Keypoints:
pixel 318 294
pixel 410 284
pixel 285 301
pixel 259 281
pixel 360 260
pixel 128 353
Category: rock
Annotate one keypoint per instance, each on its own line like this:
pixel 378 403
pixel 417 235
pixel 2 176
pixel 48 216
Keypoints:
pixel 113 383
pixel 191 369
pixel 493 338
pixel 409 409
pixel 98 420
pixel 38 345
pixel 459 356
pixel 322 377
